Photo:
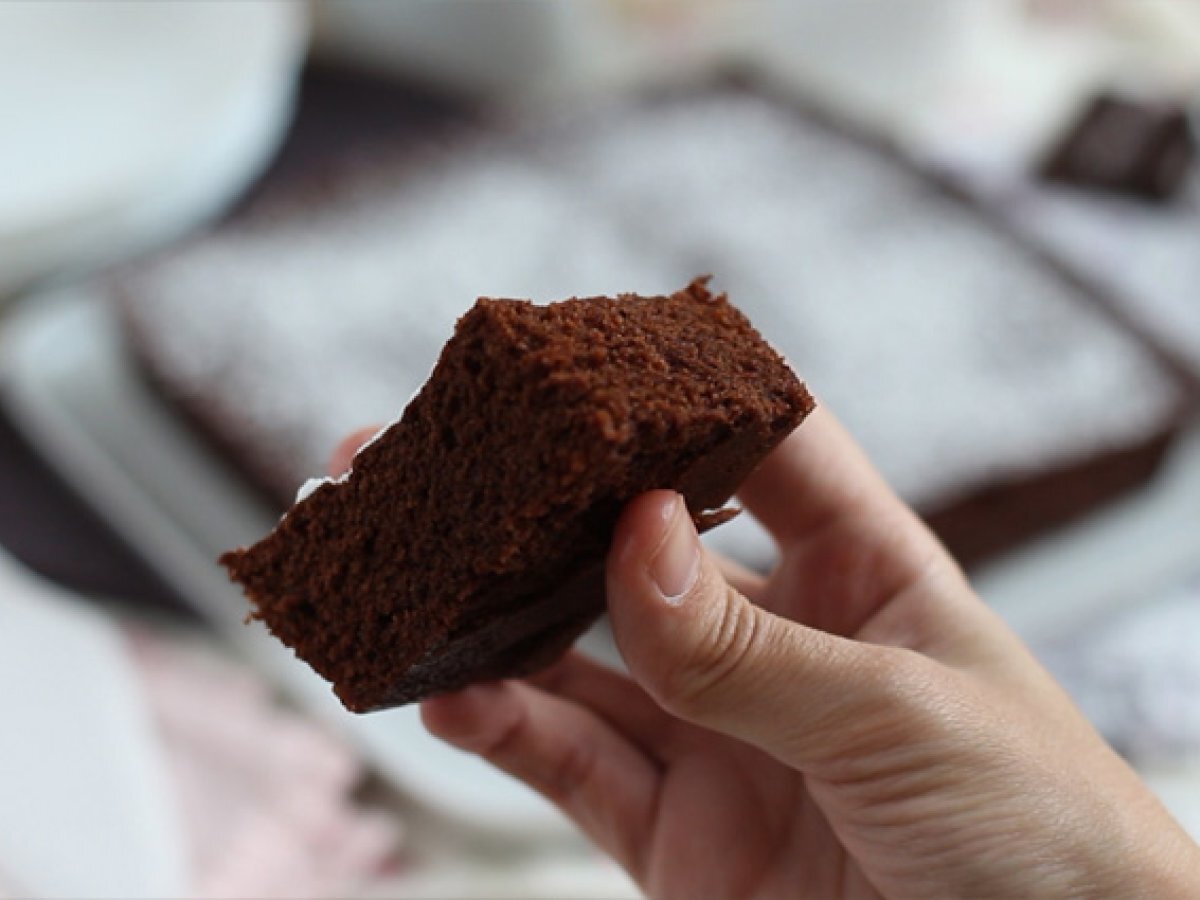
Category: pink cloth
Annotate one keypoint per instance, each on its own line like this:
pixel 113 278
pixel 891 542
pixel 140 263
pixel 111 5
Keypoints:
pixel 264 795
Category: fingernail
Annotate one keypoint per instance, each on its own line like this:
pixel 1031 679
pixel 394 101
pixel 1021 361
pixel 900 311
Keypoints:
pixel 676 564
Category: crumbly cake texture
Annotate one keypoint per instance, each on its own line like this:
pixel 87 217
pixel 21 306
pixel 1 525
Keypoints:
pixel 467 542
pixel 965 366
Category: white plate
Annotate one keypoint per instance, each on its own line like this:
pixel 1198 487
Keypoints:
pixel 1179 789
pixel 126 123
pixel 1128 553
pixel 69 384
pixel 85 794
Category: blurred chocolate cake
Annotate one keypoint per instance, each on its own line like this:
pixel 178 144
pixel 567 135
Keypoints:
pixel 994 395
pixel 1090 207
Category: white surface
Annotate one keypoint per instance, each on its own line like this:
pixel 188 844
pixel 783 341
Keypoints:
pixel 590 877
pixel 877 59
pixel 985 84
pixel 1136 674
pixel 125 122
pixel 1179 788
pixel 84 799
pixel 68 384
pixel 1136 548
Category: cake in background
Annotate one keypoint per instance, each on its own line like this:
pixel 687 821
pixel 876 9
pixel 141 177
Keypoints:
pixel 990 389
pixel 1127 211
pixel 1025 73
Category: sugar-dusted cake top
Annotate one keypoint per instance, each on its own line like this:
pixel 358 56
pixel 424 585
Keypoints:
pixel 955 356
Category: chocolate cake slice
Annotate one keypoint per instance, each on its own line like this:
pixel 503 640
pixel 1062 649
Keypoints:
pixel 467 543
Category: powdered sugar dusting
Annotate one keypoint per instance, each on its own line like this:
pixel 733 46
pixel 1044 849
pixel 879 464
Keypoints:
pixel 954 357
pixel 1149 252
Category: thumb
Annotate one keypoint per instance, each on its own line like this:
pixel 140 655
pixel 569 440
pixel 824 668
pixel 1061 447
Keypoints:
pixel 708 655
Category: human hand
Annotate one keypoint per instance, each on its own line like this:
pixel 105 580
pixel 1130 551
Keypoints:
pixel 858 724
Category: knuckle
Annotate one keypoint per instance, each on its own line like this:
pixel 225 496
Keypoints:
pixel 558 774
pixel 915 694
pixel 503 743
pixel 901 679
pixel 567 773
pixel 724 643
pixel 902 707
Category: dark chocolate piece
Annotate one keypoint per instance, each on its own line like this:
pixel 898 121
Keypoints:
pixel 1123 146
pixel 468 542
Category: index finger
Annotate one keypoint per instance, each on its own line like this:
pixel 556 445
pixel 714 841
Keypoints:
pixel 816 478
pixel 343 454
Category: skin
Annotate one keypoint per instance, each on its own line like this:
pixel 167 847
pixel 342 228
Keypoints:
pixel 859 724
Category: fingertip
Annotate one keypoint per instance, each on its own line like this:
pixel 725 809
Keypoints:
pixel 463 718
pixel 640 529
pixel 343 454
pixel 655 564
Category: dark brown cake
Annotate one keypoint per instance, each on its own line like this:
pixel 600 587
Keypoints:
pixel 468 541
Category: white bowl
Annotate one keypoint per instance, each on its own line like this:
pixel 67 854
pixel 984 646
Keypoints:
pixel 124 124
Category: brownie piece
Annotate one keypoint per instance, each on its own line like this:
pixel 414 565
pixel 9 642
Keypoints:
pixel 468 541
pixel 1124 146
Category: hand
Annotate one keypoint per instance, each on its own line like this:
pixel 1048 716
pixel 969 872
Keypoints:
pixel 858 724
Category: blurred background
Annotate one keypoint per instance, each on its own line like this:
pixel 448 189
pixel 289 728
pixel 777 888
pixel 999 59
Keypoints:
pixel 231 233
